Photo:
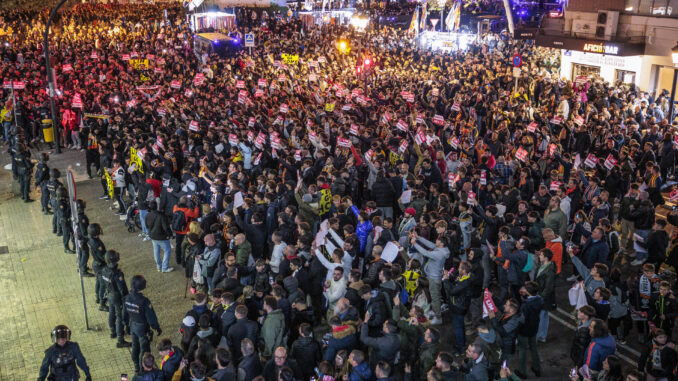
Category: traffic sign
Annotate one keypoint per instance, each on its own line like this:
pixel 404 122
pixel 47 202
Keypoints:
pixel 249 40
pixel 517 60
pixel 516 72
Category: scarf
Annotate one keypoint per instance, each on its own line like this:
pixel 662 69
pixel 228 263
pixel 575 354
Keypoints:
pixel 645 290
pixel 164 359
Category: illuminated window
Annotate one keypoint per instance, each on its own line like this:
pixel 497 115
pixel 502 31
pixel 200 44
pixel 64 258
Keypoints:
pixel 645 7
pixel 659 7
pixel 631 6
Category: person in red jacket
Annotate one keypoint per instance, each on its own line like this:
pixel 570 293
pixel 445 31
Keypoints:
pixel 190 214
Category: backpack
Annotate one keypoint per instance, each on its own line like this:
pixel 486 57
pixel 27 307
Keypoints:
pixel 529 264
pixel 178 220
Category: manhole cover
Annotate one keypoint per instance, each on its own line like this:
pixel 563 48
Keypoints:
pixel 4 250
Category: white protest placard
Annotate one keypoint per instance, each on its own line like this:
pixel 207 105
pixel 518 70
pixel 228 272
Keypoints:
pixel 390 252
pixel 406 197
pixel 238 201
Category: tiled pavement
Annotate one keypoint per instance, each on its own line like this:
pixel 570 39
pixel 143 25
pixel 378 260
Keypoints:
pixel 40 287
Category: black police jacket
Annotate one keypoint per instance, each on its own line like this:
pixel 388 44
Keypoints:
pixel 60 363
pixel 41 174
pixel 137 309
pixel 116 287
pixel 98 251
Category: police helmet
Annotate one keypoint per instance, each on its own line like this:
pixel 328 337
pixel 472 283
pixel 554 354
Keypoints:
pixel 61 332
pixel 80 204
pixel 94 230
pixel 44 157
pixel 138 282
pixel 112 258
pixel 54 173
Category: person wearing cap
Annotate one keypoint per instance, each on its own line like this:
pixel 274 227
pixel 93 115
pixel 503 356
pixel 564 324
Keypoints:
pixel 406 225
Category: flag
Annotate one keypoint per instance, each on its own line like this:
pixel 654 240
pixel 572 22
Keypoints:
pixel 414 24
pixel 422 26
pixel 453 18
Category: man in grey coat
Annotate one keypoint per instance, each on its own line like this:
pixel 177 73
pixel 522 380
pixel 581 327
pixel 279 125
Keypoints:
pixel 436 255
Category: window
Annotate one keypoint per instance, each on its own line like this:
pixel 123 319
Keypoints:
pixel 631 6
pixel 672 8
pixel 645 7
pixel 659 7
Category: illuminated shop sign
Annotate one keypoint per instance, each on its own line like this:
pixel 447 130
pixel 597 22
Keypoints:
pixel 601 48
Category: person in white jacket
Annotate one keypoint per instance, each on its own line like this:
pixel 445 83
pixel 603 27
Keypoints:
pixel 335 289
pixel 278 251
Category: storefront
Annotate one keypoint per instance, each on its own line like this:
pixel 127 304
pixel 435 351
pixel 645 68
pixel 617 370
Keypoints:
pixel 606 60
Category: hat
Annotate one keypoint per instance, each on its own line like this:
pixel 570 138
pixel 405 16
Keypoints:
pixel 325 186
pixel 410 211
pixel 189 321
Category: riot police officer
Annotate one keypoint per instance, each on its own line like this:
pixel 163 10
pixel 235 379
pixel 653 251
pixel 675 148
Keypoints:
pixel 24 171
pixel 98 251
pixel 41 179
pixel 61 358
pixel 116 288
pixel 52 185
pixel 83 247
pixel 64 216
pixel 137 309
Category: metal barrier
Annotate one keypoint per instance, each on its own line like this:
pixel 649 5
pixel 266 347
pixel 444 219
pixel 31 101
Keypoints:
pixel 72 196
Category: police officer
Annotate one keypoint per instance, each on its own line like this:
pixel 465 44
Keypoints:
pixel 137 309
pixel 24 171
pixel 41 179
pixel 98 251
pixel 83 247
pixel 116 288
pixel 52 185
pixel 64 216
pixel 61 358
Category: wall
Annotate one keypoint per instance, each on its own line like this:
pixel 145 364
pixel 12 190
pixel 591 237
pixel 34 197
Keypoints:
pixel 608 65
pixel 595 5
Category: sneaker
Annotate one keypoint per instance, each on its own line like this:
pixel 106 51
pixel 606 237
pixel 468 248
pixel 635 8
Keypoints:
pixel 168 270
pixel 436 321
pixel 69 251
pixel 119 213
pixel 622 341
pixel 541 340
pixel 114 336
pixel 141 235
pixel 103 197
pixel 637 262
pixel 123 217
pixel 147 238
pixel 572 278
pixel 159 269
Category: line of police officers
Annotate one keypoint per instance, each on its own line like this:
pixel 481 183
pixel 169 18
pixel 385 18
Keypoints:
pixel 128 311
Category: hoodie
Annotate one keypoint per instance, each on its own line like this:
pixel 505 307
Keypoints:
pixel 598 350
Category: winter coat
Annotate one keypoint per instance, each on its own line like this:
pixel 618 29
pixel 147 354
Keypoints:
pixel 580 342
pixel 546 278
pixel 590 283
pixel 273 332
pixel 507 328
pixel 598 350
pixel 378 310
pixel 384 348
pixel 530 309
pixel 172 363
pixel 518 260
pixel 158 226
pixel 383 193
pixel 459 294
pixel 240 330
pixel 428 352
pixel 594 252
pixel 361 372
pixel 557 221
pixel 343 337
pixel 242 253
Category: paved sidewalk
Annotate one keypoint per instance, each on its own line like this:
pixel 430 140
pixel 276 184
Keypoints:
pixel 41 287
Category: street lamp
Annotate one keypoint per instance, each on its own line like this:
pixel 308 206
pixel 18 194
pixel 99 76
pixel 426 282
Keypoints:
pixel 50 78
pixel 674 58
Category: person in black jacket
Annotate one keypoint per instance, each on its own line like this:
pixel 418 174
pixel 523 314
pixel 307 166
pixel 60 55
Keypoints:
pixel 527 332
pixel 255 230
pixel 281 360
pixel 459 292
pixel 242 329
pixel 160 232
pixel 582 337
pixel 306 351
pixel 148 370
pixel 375 304
pixel 171 357
pixel 225 370
pixel 384 194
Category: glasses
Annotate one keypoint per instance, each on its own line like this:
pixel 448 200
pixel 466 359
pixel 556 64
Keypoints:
pixel 280 357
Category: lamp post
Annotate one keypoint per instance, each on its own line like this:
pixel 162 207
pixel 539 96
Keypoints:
pixel 50 77
pixel 674 58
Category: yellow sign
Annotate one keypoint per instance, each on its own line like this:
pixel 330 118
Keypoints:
pixel 290 59
pixel 109 183
pixel 325 202
pixel 135 159
pixel 393 158
pixel 139 64
pixel 144 78
pixel 329 107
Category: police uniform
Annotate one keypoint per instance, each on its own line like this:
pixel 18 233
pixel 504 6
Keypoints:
pixel 52 186
pixel 83 247
pixel 114 282
pixel 60 363
pixel 41 179
pixel 138 311
pixel 98 251
pixel 64 212
pixel 24 171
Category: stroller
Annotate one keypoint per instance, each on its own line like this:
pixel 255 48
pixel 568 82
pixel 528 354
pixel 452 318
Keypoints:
pixel 133 222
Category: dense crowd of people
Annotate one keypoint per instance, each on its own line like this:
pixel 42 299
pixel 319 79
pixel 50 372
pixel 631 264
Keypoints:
pixel 331 208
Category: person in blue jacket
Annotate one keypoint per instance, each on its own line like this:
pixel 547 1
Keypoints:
pixel 602 345
pixel 360 369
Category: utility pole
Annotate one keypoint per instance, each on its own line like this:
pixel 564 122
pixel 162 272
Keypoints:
pixel 50 76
